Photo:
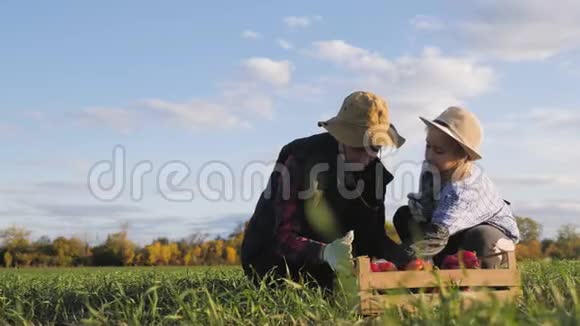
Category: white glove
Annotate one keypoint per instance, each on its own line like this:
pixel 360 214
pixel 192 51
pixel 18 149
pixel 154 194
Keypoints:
pixel 416 207
pixel 338 254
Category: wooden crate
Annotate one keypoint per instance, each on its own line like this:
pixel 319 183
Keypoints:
pixel 503 284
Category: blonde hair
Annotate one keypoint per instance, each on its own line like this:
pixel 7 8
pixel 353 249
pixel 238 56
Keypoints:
pixel 462 170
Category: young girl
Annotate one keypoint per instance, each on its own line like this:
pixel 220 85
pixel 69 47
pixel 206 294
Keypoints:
pixel 458 207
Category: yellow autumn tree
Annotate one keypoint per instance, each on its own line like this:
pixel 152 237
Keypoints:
pixel 197 252
pixel 188 258
pixel 531 249
pixel 153 253
pixel 170 253
pixel 165 254
pixel 8 259
pixel 139 259
pixel 219 248
pixel 204 252
pixel 69 250
pixel 231 255
pixel 175 254
pixel 128 254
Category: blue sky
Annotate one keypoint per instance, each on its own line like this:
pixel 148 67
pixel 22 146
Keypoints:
pixel 232 83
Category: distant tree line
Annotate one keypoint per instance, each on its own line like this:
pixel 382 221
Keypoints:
pixel 566 245
pixel 17 249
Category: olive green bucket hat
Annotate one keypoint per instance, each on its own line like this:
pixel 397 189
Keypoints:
pixel 363 120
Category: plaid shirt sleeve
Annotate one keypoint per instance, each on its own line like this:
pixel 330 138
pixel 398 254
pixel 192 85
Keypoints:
pixel 295 248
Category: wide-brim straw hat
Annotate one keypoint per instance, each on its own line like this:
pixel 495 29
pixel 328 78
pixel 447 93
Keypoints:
pixel 363 120
pixel 461 125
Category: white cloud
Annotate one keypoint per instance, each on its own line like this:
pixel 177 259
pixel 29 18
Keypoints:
pixel 249 34
pixel 458 77
pixel 555 119
pixel 304 91
pixel 344 54
pixel 285 44
pixel 523 29
pixel 551 151
pixel 301 21
pixel 275 73
pixel 551 214
pixel 244 98
pixel 428 23
pixel 543 130
pixel 259 103
pixel 537 180
pixel 247 97
pixel 119 119
pixel 68 164
pixel 73 210
pixel 218 225
pixel 62 186
pixel 413 85
pixel 538 156
pixel 432 73
pixel 196 114
pixel 17 191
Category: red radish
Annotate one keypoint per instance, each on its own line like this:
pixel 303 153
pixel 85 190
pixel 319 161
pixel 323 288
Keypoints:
pixel 385 265
pixel 450 262
pixel 418 265
pixel 414 265
pixel 382 265
pixel 469 259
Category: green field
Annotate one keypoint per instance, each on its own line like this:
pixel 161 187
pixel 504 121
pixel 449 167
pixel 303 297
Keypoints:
pixel 221 295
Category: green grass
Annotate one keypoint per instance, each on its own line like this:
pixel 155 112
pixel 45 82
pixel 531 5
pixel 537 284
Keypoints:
pixel 221 295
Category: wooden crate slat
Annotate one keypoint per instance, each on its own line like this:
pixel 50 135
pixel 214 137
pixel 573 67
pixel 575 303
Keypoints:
pixel 362 275
pixel 363 271
pixel 511 260
pixel 377 303
pixel 419 279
